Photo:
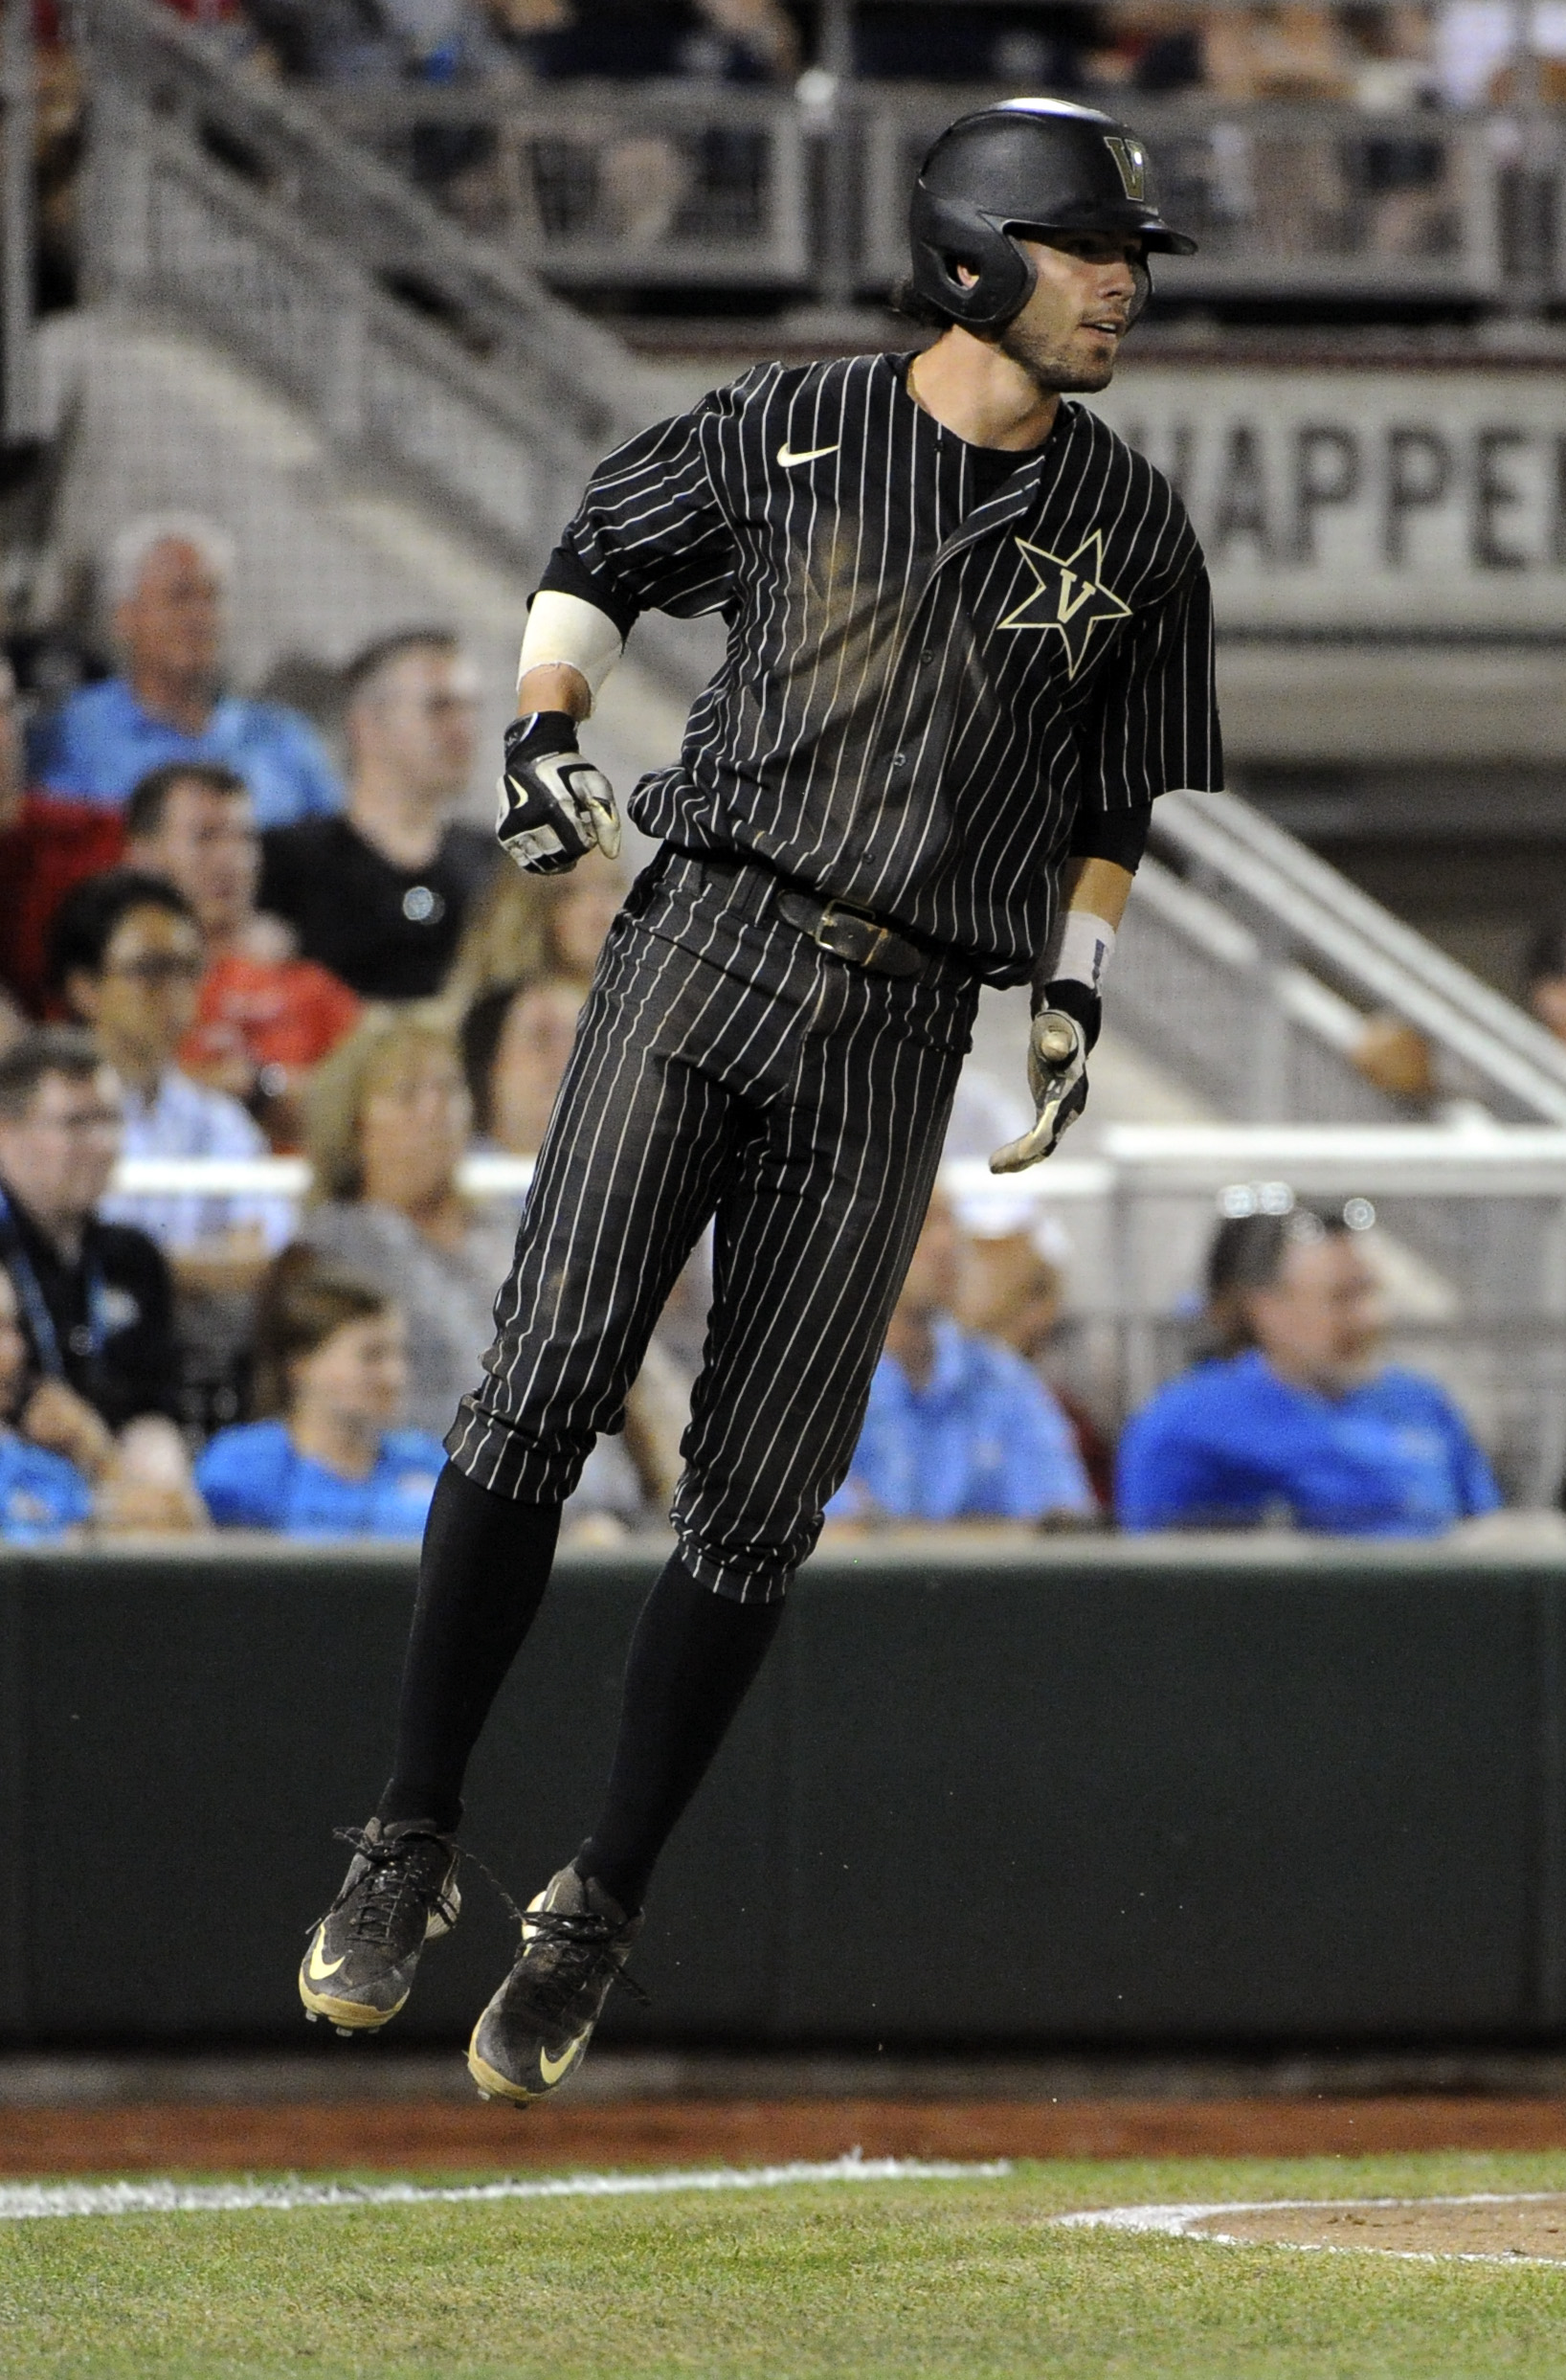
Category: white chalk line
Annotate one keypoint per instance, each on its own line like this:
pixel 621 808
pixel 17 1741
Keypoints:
pixel 23 2202
pixel 1176 2222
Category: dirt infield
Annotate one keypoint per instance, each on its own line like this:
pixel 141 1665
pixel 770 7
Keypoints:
pixel 429 2134
pixel 1532 2227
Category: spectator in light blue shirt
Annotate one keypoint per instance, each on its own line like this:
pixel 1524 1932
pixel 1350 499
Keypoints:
pixel 958 1428
pixel 42 1494
pixel 128 954
pixel 331 1380
pixel 1297 1422
pixel 168 581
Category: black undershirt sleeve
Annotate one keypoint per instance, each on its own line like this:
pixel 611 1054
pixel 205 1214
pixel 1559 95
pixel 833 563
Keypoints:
pixel 1119 836
pixel 567 574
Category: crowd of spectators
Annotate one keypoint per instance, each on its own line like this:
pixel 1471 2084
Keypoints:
pixel 232 950
pixel 1379 52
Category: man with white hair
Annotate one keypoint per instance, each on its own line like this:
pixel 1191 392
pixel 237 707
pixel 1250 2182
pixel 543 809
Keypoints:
pixel 167 588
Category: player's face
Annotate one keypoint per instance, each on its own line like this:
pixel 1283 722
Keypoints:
pixel 1321 1319
pixel 208 847
pixel 1067 336
pixel 358 1375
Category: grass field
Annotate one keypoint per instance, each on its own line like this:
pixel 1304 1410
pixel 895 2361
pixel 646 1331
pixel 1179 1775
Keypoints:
pixel 950 2279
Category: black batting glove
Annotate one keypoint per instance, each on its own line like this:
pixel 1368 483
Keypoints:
pixel 1064 1032
pixel 553 805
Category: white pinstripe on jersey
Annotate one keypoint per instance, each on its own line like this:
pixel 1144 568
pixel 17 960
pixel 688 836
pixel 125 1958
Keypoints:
pixel 919 691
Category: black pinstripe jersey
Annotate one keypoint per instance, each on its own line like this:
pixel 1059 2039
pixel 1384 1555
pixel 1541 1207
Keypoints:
pixel 921 688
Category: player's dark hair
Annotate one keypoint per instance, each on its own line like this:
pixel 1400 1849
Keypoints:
pixel 302 1301
pixel 1247 1254
pixel 88 918
pixel 381 652
pixel 63 1049
pixel 1546 960
pixel 147 802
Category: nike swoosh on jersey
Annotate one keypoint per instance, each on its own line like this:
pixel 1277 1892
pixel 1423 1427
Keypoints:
pixel 552 2068
pixel 787 457
pixel 317 1971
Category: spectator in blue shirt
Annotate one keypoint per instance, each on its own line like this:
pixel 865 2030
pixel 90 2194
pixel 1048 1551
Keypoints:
pixel 42 1494
pixel 1297 1422
pixel 958 1429
pixel 331 1377
pixel 167 584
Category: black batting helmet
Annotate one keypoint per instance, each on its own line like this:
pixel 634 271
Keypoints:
pixel 1025 166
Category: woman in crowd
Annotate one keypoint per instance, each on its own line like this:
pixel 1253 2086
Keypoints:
pixel 1297 1421
pixel 515 1041
pixel 326 1459
pixel 526 927
pixel 388 1123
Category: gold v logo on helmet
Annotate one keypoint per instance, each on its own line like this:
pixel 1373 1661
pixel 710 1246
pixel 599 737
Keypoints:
pixel 1132 159
pixel 1068 598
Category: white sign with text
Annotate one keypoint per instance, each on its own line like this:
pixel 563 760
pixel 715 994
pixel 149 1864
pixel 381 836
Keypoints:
pixel 1338 498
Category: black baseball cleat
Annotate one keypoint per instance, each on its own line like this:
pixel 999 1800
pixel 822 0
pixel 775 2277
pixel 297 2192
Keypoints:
pixel 574 1943
pixel 400 1892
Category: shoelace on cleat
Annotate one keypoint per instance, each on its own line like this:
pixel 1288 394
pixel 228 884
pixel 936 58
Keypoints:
pixel 393 1878
pixel 583 1944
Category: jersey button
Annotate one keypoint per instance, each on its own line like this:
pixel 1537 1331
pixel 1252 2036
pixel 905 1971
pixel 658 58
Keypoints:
pixel 927 657
pixel 898 761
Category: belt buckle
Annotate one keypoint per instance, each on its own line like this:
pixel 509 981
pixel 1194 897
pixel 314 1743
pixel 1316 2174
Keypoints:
pixel 848 934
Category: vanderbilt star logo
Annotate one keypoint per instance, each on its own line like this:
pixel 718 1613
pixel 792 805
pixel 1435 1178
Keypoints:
pixel 1067 596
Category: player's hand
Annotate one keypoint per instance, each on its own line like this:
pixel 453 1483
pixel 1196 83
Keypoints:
pixel 552 804
pixel 1058 1078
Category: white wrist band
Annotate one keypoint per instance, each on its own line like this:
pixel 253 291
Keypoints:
pixel 564 633
pixel 1085 949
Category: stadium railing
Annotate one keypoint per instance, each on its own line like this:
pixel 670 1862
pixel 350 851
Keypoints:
pixel 1473 1224
pixel 669 182
pixel 686 183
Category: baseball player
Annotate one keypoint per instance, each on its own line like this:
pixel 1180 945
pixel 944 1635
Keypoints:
pixel 969 643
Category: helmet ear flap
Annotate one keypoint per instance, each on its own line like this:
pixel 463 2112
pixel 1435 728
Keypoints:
pixel 948 233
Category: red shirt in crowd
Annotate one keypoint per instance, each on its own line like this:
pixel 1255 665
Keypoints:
pixel 46 850
pixel 274 1012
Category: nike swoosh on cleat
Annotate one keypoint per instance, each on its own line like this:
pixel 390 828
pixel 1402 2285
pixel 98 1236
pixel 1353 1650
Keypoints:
pixel 552 2068
pixel 787 457
pixel 318 1970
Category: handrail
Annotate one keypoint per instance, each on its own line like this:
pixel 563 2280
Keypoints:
pixel 143 56
pixel 1472 1160
pixel 1315 913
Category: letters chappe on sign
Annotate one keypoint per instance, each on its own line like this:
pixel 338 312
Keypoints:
pixel 1422 501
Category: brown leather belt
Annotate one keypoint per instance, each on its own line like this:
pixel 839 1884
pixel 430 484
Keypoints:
pixel 851 935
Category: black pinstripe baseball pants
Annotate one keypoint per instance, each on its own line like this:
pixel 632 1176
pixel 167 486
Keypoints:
pixel 726 1069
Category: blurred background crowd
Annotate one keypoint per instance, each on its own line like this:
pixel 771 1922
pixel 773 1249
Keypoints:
pixel 224 935
pixel 280 1034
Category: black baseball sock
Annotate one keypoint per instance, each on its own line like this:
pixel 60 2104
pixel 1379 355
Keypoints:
pixel 692 1659
pixel 481 1577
